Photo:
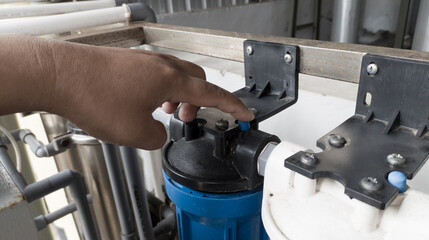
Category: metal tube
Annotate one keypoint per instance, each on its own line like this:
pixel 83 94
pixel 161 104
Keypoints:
pixel 137 191
pixel 170 8
pixel 401 26
pixel 421 34
pixel 66 22
pixel 50 9
pixel 233 2
pixel 119 194
pixel 345 22
pixel 204 4
pixel 188 6
pixel 77 187
pixel 219 3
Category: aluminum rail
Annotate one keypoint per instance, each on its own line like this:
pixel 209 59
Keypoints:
pixel 338 61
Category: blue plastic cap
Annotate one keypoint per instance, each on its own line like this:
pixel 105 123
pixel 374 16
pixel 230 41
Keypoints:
pixel 399 180
pixel 244 126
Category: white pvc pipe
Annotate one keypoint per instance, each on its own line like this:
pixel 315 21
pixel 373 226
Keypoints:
pixel 66 22
pixel 13 1
pixel 51 9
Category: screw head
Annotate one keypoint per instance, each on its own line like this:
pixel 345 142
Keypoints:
pixel 372 69
pixel 308 159
pixel 288 58
pixel 337 141
pixel 371 183
pixel 395 159
pixel 249 50
pixel 254 111
pixel 222 124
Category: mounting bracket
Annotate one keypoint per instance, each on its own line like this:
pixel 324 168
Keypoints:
pixel 212 153
pixel 391 121
pixel 271 71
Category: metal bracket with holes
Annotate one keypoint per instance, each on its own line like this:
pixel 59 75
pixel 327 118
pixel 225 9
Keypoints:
pixel 271 71
pixel 389 132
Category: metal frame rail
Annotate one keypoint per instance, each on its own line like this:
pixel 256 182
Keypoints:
pixel 337 61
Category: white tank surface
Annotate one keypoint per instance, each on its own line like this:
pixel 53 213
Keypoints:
pixel 298 208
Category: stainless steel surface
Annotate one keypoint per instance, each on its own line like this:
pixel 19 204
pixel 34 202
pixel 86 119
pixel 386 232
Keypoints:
pixel 345 22
pixel 87 159
pixel 421 34
pixel 317 58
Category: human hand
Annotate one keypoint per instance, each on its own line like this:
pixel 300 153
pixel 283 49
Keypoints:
pixel 111 93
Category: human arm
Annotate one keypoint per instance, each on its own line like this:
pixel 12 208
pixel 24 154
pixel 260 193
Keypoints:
pixel 108 92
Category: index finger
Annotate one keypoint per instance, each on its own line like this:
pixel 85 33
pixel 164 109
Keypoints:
pixel 201 93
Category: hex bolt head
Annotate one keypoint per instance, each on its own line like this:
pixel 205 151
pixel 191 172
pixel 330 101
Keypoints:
pixel 395 159
pixel 371 183
pixel 222 124
pixel 249 50
pixel 308 159
pixel 337 141
pixel 287 58
pixel 372 69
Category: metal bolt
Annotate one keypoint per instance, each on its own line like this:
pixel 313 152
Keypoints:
pixel 249 50
pixel 308 159
pixel 372 69
pixel 288 58
pixel 371 184
pixel 222 124
pixel 337 141
pixel 254 111
pixel 396 159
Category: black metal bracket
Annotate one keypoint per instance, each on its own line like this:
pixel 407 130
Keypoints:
pixel 391 121
pixel 211 153
pixel 271 71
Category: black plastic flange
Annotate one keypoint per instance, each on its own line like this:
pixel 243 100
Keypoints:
pixel 391 121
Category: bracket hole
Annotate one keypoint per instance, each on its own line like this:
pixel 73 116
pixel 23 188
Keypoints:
pixel 250 77
pixel 368 99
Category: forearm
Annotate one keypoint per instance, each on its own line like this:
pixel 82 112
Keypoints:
pixel 27 75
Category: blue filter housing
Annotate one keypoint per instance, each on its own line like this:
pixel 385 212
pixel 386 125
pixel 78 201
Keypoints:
pixel 216 216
